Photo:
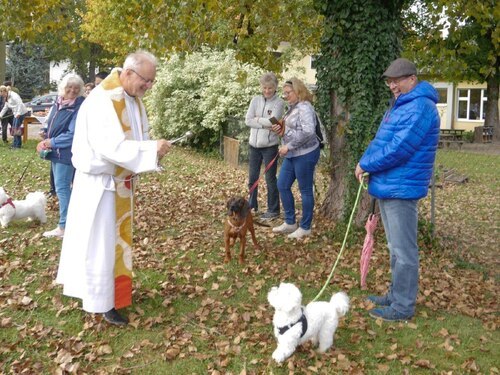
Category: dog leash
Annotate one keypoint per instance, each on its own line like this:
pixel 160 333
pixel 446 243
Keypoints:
pixel 362 186
pixel 24 171
pixel 254 186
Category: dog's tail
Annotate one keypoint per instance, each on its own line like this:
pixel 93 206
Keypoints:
pixel 340 302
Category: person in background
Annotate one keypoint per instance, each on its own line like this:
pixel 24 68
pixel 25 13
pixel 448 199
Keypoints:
pixel 300 150
pixel 99 77
pixel 399 162
pixel 263 143
pixel 56 146
pixel 88 88
pixel 110 147
pixel 8 117
pixel 13 101
pixel 4 120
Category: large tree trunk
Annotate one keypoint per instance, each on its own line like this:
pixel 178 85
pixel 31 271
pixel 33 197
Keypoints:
pixel 491 118
pixel 361 38
pixel 334 203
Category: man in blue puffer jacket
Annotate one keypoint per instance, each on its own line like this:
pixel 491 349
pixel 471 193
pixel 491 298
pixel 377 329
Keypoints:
pixel 399 162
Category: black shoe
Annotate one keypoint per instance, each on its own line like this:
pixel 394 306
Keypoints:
pixel 113 317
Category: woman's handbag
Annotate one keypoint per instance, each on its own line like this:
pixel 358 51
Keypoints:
pixel 16 131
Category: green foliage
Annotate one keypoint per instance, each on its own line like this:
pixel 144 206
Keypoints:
pixel 359 41
pixel 468 136
pixel 254 29
pixel 55 26
pixel 198 92
pixel 28 69
pixel 467 51
pixel 469 48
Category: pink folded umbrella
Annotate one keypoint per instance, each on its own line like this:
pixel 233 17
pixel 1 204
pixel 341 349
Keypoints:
pixel 370 226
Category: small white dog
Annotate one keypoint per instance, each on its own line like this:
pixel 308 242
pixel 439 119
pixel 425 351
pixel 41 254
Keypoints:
pixel 295 324
pixel 33 207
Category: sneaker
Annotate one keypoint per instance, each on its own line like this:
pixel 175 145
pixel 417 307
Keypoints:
pixel 113 317
pixel 285 228
pixel 299 233
pixel 379 300
pixel 269 216
pixel 388 314
pixel 58 232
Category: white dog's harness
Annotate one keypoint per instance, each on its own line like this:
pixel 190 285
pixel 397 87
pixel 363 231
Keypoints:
pixel 302 320
pixel 8 201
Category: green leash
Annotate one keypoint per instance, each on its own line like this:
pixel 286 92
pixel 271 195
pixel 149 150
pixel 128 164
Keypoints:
pixel 362 186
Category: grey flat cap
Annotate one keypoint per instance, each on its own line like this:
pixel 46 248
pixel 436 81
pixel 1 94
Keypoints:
pixel 399 68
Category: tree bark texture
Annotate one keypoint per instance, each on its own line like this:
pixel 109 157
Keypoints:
pixel 361 38
pixel 492 117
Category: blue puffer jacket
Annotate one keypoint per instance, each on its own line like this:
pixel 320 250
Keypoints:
pixel 60 130
pixel 401 156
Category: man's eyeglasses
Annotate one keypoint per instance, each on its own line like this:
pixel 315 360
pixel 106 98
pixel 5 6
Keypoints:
pixel 147 81
pixel 395 81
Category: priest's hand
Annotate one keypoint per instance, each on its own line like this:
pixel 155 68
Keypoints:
pixel 162 147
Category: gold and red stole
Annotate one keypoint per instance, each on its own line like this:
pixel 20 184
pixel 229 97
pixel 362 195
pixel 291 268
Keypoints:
pixel 124 200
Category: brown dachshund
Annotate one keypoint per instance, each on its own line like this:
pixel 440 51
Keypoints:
pixel 238 222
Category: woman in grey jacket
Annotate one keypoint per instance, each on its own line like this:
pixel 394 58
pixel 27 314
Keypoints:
pixel 263 143
pixel 300 150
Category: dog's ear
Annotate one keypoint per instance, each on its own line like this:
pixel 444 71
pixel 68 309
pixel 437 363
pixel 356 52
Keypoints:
pixel 245 207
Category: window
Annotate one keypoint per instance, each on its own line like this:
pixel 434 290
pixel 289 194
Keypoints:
pixel 443 95
pixel 471 104
pixel 313 61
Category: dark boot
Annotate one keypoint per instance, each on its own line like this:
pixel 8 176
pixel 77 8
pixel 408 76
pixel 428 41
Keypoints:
pixel 113 317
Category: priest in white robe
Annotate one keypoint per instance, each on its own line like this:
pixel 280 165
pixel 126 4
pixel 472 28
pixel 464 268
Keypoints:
pixel 110 147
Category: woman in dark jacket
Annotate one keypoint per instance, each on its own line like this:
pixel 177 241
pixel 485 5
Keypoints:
pixel 56 146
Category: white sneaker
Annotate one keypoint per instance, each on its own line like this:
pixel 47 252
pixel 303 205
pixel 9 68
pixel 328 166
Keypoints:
pixel 299 233
pixel 285 228
pixel 58 232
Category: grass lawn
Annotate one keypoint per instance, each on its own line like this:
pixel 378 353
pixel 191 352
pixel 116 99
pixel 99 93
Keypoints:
pixel 194 315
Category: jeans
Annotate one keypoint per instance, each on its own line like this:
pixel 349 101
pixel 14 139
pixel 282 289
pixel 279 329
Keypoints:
pixel 18 122
pixel 256 157
pixel 63 177
pixel 400 218
pixel 5 123
pixel 300 168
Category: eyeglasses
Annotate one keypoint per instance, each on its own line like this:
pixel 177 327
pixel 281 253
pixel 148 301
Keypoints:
pixel 147 81
pixel 286 93
pixel 395 81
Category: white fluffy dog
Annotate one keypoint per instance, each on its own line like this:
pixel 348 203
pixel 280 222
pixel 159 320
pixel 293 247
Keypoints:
pixel 295 324
pixel 33 207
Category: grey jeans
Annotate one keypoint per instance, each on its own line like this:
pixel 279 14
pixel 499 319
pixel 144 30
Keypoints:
pixel 400 218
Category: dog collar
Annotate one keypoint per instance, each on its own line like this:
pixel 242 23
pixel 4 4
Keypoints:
pixel 234 226
pixel 302 320
pixel 8 201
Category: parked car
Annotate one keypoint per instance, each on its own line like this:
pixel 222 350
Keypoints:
pixel 41 103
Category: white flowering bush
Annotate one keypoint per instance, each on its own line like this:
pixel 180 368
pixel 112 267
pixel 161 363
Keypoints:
pixel 199 92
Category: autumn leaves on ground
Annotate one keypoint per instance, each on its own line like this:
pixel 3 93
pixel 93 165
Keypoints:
pixel 194 315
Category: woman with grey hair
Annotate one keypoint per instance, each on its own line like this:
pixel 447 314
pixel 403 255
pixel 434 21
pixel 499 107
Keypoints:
pixel 56 146
pixel 263 143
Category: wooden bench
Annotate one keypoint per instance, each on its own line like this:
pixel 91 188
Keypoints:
pixel 447 137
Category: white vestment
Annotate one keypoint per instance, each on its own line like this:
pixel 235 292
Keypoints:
pixel 88 251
